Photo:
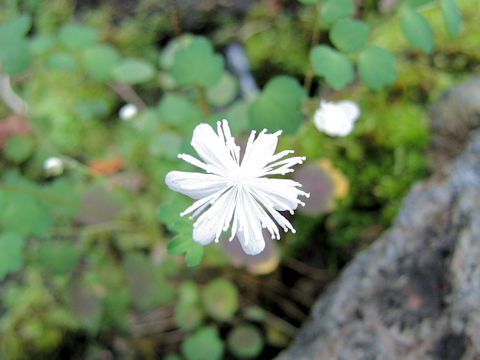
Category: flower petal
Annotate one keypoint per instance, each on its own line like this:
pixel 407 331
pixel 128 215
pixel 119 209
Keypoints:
pixel 259 152
pixel 211 148
pixel 195 185
pixel 281 193
pixel 350 108
pixel 249 231
pixel 210 224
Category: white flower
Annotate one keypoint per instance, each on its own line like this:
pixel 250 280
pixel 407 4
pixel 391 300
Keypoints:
pixel 127 111
pixel 53 166
pixel 336 119
pixel 235 191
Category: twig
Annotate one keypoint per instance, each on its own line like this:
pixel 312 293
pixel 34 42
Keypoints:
pixel 10 97
pixel 128 94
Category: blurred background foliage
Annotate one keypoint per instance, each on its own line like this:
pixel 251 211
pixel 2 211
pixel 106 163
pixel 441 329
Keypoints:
pixel 89 240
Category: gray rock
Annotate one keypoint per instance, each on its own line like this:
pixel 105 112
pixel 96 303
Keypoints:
pixel 414 293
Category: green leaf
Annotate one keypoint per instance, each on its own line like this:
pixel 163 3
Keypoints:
pixel 134 71
pixel 61 61
pixel 179 112
pixel 14 29
pixel 179 244
pixel 204 344
pixel 308 2
pixel 194 254
pixel 147 284
pixel 11 259
pixel 15 56
pixel 77 37
pixel 237 116
pixel 187 316
pixel 224 92
pixel 197 64
pixel 278 106
pixel 188 292
pixel 100 60
pixel 58 258
pixel 452 17
pixel 169 212
pixel 349 35
pixel 333 65
pixel 21 211
pixel 41 43
pixel 245 341
pixel 417 30
pixel 333 10
pixel 376 67
pixel 417 3
pixel 220 299
pixel 19 148
pixel 166 143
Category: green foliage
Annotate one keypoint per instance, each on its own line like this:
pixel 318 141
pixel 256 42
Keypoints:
pixel 19 148
pixel 15 54
pixel 133 71
pixel 224 92
pixel 278 107
pixel 74 36
pixel 208 340
pixel 452 17
pixel 58 258
pixel 220 299
pixel 100 60
pixel 245 341
pixel 376 67
pixel 333 10
pixel 61 61
pixel 333 65
pixel 417 30
pixel 11 259
pixel 147 285
pixel 349 35
pixel 197 64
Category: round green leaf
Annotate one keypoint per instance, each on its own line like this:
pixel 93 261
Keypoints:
pixel 100 60
pixel 11 258
pixel 61 61
pixel 166 143
pixel 220 299
pixel 188 292
pixel 77 37
pixel 451 16
pixel 204 344
pixel 376 67
pixel 417 30
pixel 187 316
pixel 19 148
pixel 333 10
pixel 179 112
pixel 14 29
pixel 41 43
pixel 237 116
pixel 15 56
pixel 245 341
pixel 58 259
pixel 133 71
pixel 349 35
pixel 197 64
pixel 278 106
pixel 147 284
pixel 194 255
pixel 224 92
pixel 333 65
pixel 179 244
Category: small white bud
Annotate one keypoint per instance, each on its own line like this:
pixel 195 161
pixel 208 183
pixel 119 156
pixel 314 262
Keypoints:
pixel 336 119
pixel 127 111
pixel 53 166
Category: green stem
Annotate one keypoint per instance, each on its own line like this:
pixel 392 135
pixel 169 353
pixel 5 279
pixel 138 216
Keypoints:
pixel 202 100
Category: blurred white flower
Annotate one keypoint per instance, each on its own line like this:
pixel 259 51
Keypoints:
pixel 53 166
pixel 127 111
pixel 235 191
pixel 336 119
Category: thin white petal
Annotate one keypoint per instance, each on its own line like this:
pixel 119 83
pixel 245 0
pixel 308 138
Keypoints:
pixel 195 185
pixel 260 151
pixel 211 148
pixel 209 225
pixel 249 232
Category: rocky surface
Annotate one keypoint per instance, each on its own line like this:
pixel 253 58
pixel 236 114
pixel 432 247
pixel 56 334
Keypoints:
pixel 414 293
